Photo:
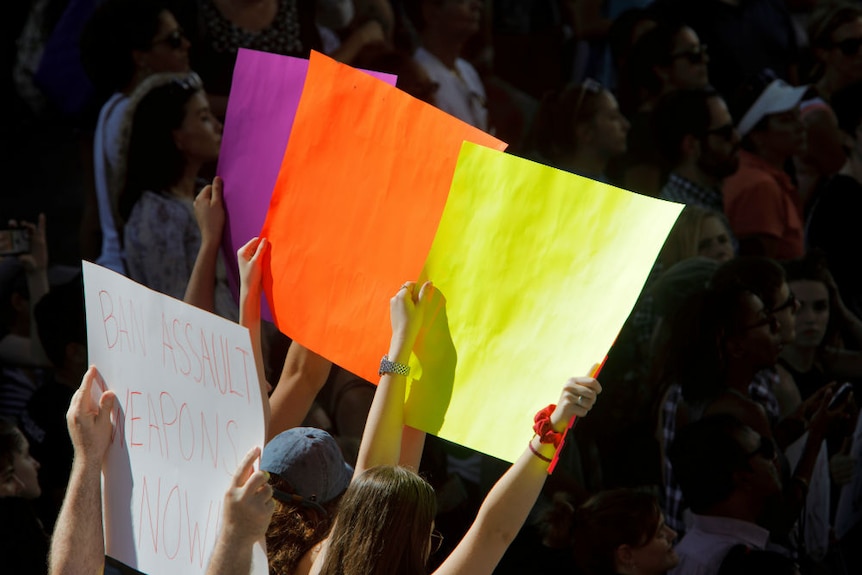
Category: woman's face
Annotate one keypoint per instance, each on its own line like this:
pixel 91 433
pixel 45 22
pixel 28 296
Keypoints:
pixel 714 241
pixel 844 57
pixel 757 339
pixel 688 66
pixel 609 128
pixel 199 136
pixel 813 315
pixel 657 555
pixel 169 50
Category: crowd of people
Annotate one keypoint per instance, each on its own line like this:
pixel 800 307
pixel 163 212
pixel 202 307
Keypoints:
pixel 723 439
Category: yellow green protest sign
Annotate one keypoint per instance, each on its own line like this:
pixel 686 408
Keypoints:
pixel 539 269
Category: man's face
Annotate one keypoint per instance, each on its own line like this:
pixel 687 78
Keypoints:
pixel 719 148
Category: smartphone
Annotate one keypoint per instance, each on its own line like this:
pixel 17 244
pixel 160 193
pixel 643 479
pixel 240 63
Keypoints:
pixel 14 241
pixel 841 394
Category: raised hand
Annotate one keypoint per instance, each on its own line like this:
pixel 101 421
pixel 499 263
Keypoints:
pixel 209 211
pixel 89 422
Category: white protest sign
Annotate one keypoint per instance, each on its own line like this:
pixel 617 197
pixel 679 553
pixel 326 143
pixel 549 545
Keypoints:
pixel 188 409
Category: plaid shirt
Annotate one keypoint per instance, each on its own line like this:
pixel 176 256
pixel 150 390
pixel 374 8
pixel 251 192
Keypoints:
pixel 672 503
pixel 760 390
pixel 679 189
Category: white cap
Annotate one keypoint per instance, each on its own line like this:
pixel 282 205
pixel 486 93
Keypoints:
pixel 778 97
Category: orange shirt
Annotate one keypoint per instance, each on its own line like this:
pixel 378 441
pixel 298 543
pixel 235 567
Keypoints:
pixel 760 200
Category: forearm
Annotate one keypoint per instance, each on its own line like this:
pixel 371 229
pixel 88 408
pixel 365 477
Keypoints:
pixel 78 544
pixel 303 375
pixel 382 437
pixel 412 445
pixel 501 516
pixel 249 317
pixel 230 557
pixel 200 291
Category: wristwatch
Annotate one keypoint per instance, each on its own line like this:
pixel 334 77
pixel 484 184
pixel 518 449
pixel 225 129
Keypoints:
pixel 387 366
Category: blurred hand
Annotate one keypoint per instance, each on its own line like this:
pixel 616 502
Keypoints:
pixel 250 260
pixel 209 211
pixel 407 311
pixel 90 423
pixel 248 503
pixel 37 259
pixel 578 398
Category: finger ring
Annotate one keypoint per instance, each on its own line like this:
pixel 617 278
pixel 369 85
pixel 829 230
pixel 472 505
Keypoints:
pixel 580 397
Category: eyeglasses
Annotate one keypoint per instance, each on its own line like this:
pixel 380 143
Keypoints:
pixel 766 449
pixel 588 85
pixel 790 303
pixel 696 55
pixel 174 40
pixel 726 132
pixel 436 541
pixel 769 320
pixel 849 46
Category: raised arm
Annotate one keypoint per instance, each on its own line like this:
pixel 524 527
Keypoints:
pixel 303 375
pixel 382 439
pixel 248 507
pixel 78 544
pixel 509 502
pixel 249 258
pixel 209 213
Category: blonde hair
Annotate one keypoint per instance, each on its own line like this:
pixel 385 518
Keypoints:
pixel 682 242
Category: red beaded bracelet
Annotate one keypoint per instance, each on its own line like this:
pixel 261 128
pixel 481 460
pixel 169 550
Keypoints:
pixel 544 429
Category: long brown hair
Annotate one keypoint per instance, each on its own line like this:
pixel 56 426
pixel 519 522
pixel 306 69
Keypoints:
pixel 294 530
pixel 383 526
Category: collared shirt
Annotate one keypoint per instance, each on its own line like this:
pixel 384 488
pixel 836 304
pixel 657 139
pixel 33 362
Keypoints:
pixel 684 191
pixel 761 200
pixel 704 547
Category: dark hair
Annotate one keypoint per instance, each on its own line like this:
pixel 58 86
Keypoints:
pixel 560 112
pixel 813 267
pixel 114 31
pixel 846 105
pixel 153 160
pixel 759 275
pixel 295 529
pixel 742 560
pixel 383 525
pixel 610 519
pixel 705 455
pixel 61 319
pixel 679 114
pixel 694 355
pixel 652 50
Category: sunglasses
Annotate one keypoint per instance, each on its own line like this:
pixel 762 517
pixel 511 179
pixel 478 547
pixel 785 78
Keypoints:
pixel 725 132
pixel 769 320
pixel 766 449
pixel 174 40
pixel 790 303
pixel 696 55
pixel 436 541
pixel 849 46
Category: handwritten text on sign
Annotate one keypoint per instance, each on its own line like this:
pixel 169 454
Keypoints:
pixel 189 408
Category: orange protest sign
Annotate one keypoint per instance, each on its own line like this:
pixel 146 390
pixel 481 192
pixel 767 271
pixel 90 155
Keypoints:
pixel 364 180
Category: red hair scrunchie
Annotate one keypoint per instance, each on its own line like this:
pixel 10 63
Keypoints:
pixel 544 429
